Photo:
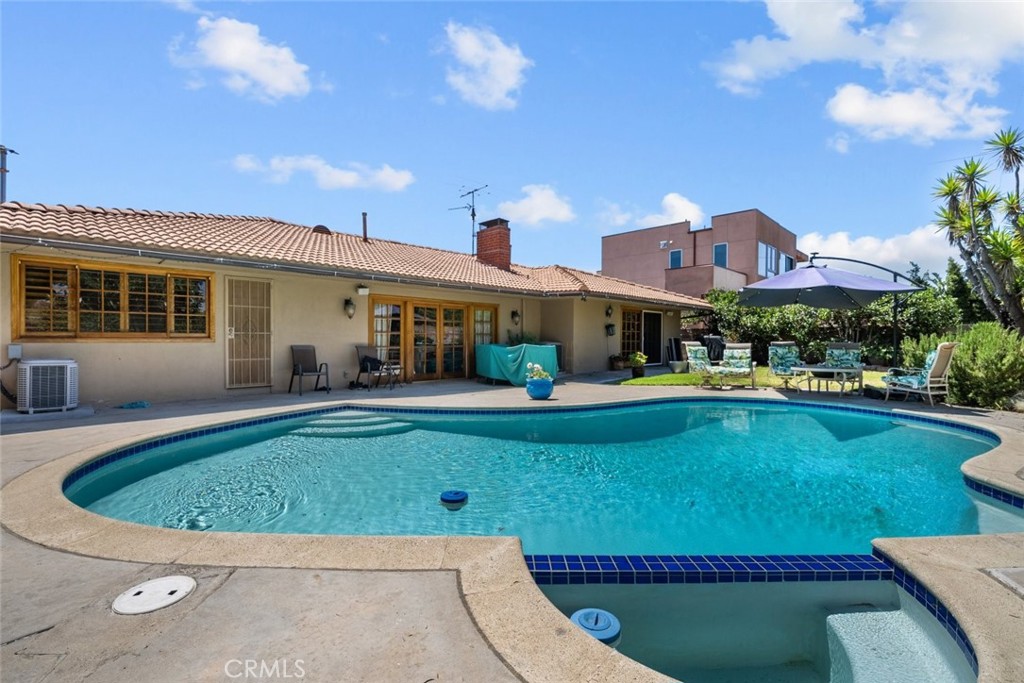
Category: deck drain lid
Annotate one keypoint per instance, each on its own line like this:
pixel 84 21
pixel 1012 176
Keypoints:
pixel 154 594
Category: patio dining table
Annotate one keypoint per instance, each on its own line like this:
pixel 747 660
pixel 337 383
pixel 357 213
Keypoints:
pixel 854 376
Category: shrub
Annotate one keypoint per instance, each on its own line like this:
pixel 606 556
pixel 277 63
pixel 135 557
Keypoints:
pixel 988 367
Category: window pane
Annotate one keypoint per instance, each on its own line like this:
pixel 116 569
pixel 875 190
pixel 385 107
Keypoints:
pixel 675 258
pixel 46 294
pixel 721 255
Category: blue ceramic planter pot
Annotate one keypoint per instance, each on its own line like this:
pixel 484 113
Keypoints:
pixel 539 389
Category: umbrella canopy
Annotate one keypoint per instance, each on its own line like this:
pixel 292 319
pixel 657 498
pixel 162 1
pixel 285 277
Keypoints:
pixel 821 287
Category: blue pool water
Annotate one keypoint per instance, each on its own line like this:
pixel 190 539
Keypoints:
pixel 679 478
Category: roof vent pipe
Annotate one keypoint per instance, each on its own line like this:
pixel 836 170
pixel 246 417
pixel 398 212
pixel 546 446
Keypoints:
pixel 365 239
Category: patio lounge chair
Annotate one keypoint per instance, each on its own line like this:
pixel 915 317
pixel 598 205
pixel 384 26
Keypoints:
pixel 930 381
pixel 373 366
pixel 304 365
pixel 736 362
pixel 782 356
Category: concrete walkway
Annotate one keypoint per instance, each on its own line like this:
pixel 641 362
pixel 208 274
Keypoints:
pixel 332 609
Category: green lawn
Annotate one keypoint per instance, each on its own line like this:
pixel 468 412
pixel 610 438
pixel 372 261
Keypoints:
pixel 764 379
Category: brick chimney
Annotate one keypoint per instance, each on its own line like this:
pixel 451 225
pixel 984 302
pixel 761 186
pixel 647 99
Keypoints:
pixel 494 244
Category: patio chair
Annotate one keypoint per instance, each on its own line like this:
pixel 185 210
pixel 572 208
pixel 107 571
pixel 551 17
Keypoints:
pixel 304 365
pixel 841 355
pixel 684 353
pixel 931 380
pixel 698 362
pixel 371 363
pixel 737 361
pixel 782 357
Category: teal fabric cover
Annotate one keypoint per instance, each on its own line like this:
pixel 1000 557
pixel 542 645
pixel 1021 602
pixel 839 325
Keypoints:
pixel 842 358
pixel 734 362
pixel 782 358
pixel 508 363
pixel 915 378
pixel 698 358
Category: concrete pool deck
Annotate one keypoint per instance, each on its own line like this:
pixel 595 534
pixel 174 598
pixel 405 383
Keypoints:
pixel 324 608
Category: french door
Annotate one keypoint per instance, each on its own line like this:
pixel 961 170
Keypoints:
pixel 439 341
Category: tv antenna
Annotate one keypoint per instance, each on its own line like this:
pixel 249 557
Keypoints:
pixel 4 151
pixel 471 207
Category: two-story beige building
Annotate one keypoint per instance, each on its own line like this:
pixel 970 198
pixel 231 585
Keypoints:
pixel 737 249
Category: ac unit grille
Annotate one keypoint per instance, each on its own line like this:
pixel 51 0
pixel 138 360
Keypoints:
pixel 47 385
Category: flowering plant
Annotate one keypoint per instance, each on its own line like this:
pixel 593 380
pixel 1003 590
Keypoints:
pixel 637 359
pixel 536 371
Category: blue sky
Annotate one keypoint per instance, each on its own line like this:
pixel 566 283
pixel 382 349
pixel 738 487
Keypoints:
pixel 582 118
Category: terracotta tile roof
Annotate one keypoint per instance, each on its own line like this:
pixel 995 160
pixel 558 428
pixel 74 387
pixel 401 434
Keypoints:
pixel 267 241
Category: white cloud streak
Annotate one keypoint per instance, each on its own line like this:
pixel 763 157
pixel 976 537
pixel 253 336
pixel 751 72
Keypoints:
pixel 280 169
pixel 250 64
pixel 935 59
pixel 489 73
pixel 540 204
pixel 675 208
pixel 925 246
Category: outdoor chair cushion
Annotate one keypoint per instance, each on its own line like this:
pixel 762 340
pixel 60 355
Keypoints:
pixel 914 378
pixel 781 359
pixel 842 358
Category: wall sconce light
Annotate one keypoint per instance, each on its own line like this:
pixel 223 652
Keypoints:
pixel 362 290
pixel 350 308
pixel 609 329
pixel 608 311
pixel 583 296
pixel 516 318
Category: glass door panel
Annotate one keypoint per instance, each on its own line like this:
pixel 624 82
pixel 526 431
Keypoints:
pixel 453 342
pixel 425 342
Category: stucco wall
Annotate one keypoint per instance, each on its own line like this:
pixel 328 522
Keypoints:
pixel 305 309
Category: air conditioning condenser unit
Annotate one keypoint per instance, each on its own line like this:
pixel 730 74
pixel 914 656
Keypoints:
pixel 47 385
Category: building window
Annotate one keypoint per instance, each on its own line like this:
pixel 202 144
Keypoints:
pixel 387 331
pixel 78 300
pixel 675 258
pixel 721 254
pixel 767 260
pixel 632 332
pixel 483 326
pixel 788 263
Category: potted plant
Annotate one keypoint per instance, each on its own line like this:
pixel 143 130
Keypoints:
pixel 616 362
pixel 539 384
pixel 637 360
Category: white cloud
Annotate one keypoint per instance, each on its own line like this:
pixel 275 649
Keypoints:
pixel 489 72
pixel 919 115
pixel 251 65
pixel 840 142
pixel 540 204
pixel 675 208
pixel 935 59
pixel 925 246
pixel 280 169
pixel 613 215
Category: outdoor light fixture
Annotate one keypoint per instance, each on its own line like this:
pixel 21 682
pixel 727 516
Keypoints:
pixel 350 308
pixel 362 290
pixel 608 311
pixel 583 296
pixel 516 318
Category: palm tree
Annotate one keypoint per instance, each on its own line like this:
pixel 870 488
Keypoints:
pixel 1008 147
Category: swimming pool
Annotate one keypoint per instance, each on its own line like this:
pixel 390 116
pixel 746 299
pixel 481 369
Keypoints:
pixel 672 476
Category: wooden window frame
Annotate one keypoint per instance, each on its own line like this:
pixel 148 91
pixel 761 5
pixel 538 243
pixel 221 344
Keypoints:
pixel 122 312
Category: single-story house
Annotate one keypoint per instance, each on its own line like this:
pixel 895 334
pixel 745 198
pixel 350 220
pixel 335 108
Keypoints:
pixel 167 306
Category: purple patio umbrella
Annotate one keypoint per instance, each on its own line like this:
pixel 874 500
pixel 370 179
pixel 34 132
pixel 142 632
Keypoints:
pixel 821 287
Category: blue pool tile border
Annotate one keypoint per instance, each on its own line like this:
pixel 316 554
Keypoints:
pixel 555 570
pixel 550 570
pixel 134 449
pixel 1002 495
pixel 935 607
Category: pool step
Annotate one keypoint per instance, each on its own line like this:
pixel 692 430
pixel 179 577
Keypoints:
pixel 866 647
pixel 352 425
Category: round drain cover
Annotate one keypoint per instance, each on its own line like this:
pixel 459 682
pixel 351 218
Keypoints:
pixel 152 595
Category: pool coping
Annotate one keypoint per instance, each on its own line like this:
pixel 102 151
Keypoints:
pixel 498 591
